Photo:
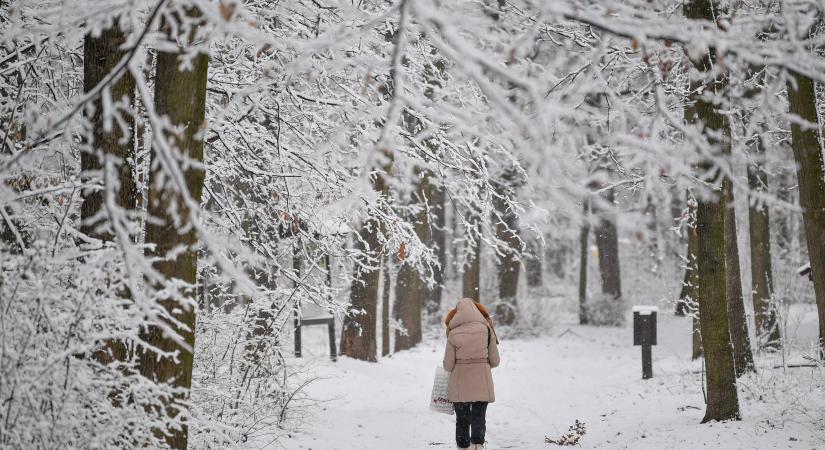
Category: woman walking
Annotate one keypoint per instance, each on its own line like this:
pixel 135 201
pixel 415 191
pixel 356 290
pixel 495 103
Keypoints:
pixel 472 350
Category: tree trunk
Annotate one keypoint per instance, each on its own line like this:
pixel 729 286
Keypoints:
pixel 681 306
pixel 108 148
pixel 358 340
pixel 809 171
pixel 407 309
pixel 100 55
pixel 722 401
pixel 509 256
pixel 438 240
pixel 471 276
pixel 385 309
pixel 180 95
pixel 607 241
pixel 533 263
pixel 784 222
pixel 583 238
pixel 410 288
pixel 737 321
pixel 688 298
pixel 722 398
pixel 358 334
pixel 767 326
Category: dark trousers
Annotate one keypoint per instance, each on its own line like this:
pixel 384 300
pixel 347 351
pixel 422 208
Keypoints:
pixel 470 416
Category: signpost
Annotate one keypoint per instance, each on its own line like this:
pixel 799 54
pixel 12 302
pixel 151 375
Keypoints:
pixel 644 334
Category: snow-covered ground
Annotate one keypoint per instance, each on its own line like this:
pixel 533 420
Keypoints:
pixel 575 372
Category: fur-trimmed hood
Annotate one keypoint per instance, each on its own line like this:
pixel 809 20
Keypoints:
pixel 466 312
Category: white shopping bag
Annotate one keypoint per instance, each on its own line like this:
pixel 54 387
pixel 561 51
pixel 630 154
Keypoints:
pixel 438 400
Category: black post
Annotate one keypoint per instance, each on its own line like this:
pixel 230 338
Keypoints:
pixel 644 334
pixel 647 362
pixel 333 353
pixel 297 334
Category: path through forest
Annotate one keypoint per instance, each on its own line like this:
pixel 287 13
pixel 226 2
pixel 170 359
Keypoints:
pixel 544 384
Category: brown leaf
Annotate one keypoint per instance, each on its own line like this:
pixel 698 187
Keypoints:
pixel 227 9
pixel 402 252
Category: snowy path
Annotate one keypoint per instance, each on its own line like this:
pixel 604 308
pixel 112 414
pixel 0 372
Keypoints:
pixel 542 386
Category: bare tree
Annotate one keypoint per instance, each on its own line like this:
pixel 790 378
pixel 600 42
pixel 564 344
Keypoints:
pixel 509 255
pixel 385 306
pixel 471 276
pixel 722 398
pixel 607 241
pixel 180 95
pixel 738 322
pixel 584 235
pixel 111 151
pixel 765 319
pixel 810 176
pixel 410 288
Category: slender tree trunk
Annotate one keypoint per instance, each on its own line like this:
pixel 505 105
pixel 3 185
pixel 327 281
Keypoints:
pixel 688 297
pixel 358 336
pixel 607 241
pixel 583 250
pixel 533 263
pixel 385 308
pixel 654 232
pixel 358 340
pixel 737 321
pixel 809 172
pixel 108 148
pixel 456 263
pixel 180 95
pixel 100 55
pixel 696 338
pixel 767 326
pixel 407 309
pixel 471 276
pixel 681 307
pixel 722 398
pixel 784 222
pixel 410 288
pixel 439 243
pixel 437 200
pixel 693 282
pixel 509 257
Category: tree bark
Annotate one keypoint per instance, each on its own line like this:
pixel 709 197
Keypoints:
pixel 471 276
pixel 410 288
pixel 100 55
pixel 438 241
pixel 607 241
pixel 108 147
pixel 737 321
pixel 533 263
pixel 180 95
pixel 583 239
pixel 688 297
pixel 359 328
pixel 509 257
pixel 765 320
pixel 809 172
pixel 358 339
pixel 722 398
pixel 385 309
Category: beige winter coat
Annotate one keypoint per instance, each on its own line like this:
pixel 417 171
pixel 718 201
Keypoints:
pixel 468 356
